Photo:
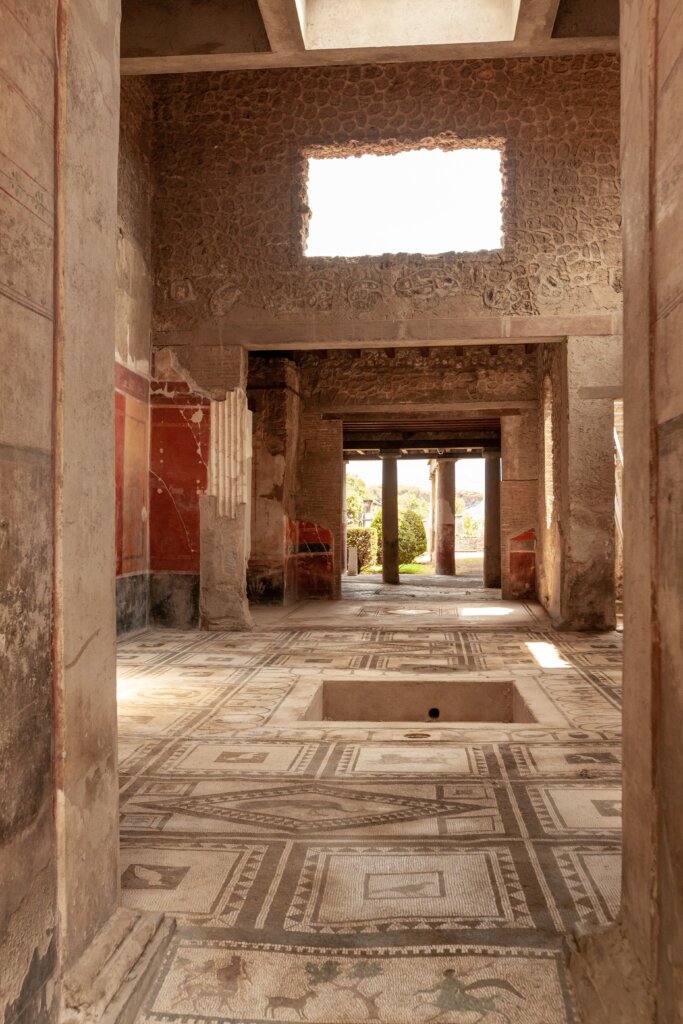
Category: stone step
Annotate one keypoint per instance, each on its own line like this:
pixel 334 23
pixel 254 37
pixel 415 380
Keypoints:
pixel 109 982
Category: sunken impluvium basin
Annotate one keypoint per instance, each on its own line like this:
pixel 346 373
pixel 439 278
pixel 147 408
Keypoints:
pixel 420 700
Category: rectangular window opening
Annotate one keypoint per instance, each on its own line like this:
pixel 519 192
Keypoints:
pixel 427 201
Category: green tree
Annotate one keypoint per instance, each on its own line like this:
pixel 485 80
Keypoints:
pixel 364 539
pixel 376 525
pixel 412 539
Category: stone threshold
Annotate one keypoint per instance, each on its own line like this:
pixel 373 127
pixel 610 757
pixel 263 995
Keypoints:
pixel 110 981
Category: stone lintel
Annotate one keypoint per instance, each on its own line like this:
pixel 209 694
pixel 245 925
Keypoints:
pixel 290 335
pixel 189 62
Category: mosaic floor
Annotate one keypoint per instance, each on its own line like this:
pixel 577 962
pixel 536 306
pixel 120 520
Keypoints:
pixel 345 872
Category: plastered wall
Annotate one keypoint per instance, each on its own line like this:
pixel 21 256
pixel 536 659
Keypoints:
pixel 28 912
pixel 230 203
pixel 59 801
pixel 133 353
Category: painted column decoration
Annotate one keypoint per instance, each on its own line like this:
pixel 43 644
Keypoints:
pixel 226 517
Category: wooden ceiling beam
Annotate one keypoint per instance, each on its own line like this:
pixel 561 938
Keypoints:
pixel 282 25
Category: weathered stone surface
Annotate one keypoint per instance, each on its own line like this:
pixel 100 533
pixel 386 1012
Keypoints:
pixel 109 982
pixel 28 856
pixel 345 379
pixel 230 210
pixel 576 504
pixel 87 800
pixel 134 235
pixel 223 559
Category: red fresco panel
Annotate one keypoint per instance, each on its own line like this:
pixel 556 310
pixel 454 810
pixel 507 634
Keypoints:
pixel 178 475
pixel 120 407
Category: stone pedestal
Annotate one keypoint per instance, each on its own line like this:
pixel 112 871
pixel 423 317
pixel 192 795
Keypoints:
pixel 444 562
pixel 389 518
pixel 492 521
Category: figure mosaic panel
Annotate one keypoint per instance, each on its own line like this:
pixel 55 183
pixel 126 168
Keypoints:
pixel 238 983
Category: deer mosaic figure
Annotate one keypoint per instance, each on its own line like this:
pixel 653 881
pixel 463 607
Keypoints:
pixel 296 1004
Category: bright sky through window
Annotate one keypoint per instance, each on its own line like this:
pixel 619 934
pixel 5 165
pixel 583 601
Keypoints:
pixel 419 201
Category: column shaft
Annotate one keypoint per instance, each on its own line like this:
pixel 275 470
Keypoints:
pixel 492 522
pixel 390 519
pixel 344 555
pixel 445 518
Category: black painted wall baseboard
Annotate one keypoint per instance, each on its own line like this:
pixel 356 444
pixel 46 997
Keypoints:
pixel 132 603
pixel 174 600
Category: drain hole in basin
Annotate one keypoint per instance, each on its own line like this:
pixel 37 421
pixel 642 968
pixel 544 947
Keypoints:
pixel 433 712
pixel 418 735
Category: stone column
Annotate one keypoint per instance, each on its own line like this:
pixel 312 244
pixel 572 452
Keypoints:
pixel 587 598
pixel 444 562
pixel 344 549
pixel 432 511
pixel 225 517
pixel 492 521
pixel 389 518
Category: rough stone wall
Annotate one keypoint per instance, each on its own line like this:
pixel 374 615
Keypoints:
pixel 133 352
pixel 28 856
pixel 230 213
pixel 421 377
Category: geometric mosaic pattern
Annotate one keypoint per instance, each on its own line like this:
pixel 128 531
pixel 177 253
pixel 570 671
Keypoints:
pixel 341 872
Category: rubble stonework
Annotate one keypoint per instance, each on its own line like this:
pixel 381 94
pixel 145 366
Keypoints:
pixel 230 207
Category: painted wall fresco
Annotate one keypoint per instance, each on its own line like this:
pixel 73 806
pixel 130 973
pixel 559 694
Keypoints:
pixel 132 452
pixel 179 452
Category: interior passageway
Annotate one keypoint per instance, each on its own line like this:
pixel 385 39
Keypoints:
pixel 405 871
